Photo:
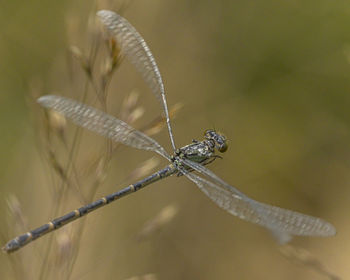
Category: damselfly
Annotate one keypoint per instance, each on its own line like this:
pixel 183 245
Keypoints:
pixel 282 222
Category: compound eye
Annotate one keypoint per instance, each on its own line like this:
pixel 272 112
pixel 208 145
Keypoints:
pixel 223 148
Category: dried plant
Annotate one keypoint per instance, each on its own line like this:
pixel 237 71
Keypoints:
pixel 60 151
pixel 301 256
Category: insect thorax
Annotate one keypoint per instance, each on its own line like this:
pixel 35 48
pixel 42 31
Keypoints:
pixel 199 152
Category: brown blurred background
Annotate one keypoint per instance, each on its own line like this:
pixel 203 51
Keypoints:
pixel 274 76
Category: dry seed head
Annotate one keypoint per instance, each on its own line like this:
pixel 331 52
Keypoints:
pixel 57 122
pixel 56 165
pixel 129 103
pixel 16 212
pixel 14 206
pixel 156 128
pixel 165 216
pixel 131 100
pixel 64 245
pixel 112 44
pixel 301 256
pixel 157 125
pixel 63 239
pixel 114 51
pixel 101 170
pixel 150 276
pixel 80 57
pixel 175 109
pixel 106 67
pixel 76 52
pixel 135 114
pixel 146 167
pixel 295 253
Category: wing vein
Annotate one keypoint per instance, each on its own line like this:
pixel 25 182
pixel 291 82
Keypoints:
pixel 101 123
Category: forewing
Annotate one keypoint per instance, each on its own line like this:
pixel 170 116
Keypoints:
pixel 282 222
pixel 138 53
pixel 101 123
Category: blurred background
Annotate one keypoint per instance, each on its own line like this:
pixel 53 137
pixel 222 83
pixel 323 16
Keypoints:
pixel 273 76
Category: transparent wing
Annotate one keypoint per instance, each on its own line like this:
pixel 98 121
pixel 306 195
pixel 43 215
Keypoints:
pixel 282 222
pixel 101 123
pixel 138 53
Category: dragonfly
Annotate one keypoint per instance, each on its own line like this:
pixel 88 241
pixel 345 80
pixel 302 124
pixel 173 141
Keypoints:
pixel 188 161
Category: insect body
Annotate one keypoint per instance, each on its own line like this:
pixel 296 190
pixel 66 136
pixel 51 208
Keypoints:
pixel 282 222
